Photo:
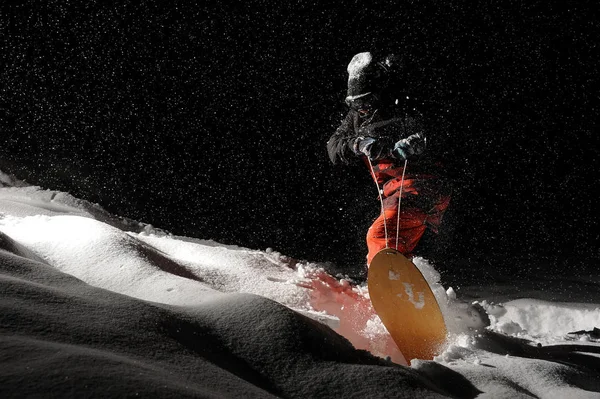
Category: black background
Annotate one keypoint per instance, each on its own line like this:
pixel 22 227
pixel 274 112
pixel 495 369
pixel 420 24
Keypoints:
pixel 211 120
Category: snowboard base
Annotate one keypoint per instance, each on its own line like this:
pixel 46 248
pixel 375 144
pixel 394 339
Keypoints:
pixel 406 305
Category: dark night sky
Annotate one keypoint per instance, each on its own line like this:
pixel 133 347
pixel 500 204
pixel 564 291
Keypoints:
pixel 211 120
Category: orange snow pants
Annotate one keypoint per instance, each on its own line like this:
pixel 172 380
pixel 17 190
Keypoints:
pixel 424 201
pixel 384 232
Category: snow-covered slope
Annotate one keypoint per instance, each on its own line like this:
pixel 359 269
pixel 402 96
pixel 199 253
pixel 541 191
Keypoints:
pixel 95 304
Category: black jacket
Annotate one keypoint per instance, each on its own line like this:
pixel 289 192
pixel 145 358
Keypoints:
pixel 387 125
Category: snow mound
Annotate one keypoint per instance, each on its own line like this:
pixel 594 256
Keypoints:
pixel 542 319
pixel 75 340
pixel 154 268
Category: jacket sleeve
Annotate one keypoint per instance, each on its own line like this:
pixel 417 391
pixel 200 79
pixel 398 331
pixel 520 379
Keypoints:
pixel 340 144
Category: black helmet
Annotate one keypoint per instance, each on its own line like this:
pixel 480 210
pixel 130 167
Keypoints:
pixel 369 79
pixel 367 75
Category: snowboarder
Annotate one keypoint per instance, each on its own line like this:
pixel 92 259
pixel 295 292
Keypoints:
pixel 386 131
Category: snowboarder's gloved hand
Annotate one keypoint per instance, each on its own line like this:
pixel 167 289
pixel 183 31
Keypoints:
pixel 410 147
pixel 374 149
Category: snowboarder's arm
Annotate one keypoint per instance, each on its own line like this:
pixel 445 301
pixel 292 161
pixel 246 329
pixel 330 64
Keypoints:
pixel 341 144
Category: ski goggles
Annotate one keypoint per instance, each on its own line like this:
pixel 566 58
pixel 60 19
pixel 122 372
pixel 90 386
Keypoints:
pixel 363 102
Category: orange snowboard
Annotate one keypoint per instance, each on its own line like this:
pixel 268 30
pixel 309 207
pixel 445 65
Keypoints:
pixel 406 305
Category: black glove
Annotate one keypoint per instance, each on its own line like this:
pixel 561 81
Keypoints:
pixel 410 147
pixel 374 149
